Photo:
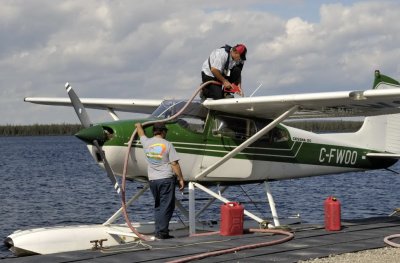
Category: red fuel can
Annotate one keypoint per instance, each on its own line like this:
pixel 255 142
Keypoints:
pixel 231 219
pixel 332 214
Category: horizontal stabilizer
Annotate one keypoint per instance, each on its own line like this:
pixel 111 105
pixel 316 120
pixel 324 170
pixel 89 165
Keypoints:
pixel 384 155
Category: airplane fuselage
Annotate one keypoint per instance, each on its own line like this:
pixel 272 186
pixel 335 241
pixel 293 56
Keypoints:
pixel 282 153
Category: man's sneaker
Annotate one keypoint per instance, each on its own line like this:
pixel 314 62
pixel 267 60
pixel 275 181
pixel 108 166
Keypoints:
pixel 161 236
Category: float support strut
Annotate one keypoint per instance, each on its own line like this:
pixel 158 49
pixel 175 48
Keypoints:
pixel 271 204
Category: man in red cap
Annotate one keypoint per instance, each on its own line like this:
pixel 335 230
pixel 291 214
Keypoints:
pixel 224 65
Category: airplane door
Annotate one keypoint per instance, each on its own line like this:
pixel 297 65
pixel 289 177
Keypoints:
pixel 225 134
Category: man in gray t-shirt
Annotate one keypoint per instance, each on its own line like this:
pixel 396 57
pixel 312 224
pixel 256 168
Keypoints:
pixel 162 168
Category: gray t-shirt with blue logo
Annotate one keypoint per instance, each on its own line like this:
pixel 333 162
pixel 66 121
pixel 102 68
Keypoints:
pixel 159 154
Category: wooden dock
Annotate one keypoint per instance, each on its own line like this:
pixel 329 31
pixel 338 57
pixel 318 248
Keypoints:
pixel 310 241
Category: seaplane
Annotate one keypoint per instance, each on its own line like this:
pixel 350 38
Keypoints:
pixel 232 141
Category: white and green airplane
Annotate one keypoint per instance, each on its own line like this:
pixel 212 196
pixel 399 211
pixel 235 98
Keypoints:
pixel 227 142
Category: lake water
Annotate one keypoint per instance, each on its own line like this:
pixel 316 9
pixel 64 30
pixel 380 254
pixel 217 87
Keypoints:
pixel 48 181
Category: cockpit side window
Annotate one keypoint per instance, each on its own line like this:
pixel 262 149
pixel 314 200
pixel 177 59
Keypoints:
pixel 169 108
pixel 277 134
pixel 237 128
pixel 192 123
pixel 192 118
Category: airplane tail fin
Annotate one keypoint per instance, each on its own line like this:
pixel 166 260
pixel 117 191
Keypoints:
pixel 383 132
pixel 384 82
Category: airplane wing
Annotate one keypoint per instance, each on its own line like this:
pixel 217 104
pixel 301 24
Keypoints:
pixel 311 105
pixel 126 105
pixel 314 105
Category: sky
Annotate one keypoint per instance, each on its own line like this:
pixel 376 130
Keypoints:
pixel 155 49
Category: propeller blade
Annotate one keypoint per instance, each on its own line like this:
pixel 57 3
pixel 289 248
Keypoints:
pixel 78 106
pixel 107 166
pixel 87 133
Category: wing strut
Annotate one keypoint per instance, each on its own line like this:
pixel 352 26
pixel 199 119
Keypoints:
pixel 113 114
pixel 249 141
pixel 231 154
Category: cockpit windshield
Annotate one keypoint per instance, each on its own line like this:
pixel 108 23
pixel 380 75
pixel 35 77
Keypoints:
pixel 170 107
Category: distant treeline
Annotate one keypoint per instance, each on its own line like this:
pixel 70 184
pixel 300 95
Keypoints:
pixel 71 129
pixel 39 129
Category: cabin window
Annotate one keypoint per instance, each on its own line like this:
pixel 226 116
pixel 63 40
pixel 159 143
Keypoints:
pixel 238 128
pixel 191 123
pixel 193 118
pixel 280 135
pixel 169 108
pixel 277 134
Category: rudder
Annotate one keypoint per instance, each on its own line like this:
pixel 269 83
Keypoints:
pixel 384 127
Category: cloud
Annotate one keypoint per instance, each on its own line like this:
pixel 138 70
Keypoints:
pixel 155 49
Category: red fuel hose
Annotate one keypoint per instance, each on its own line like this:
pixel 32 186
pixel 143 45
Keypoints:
pixel 391 243
pixel 288 237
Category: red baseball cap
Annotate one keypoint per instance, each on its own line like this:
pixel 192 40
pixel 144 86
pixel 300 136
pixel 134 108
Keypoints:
pixel 242 50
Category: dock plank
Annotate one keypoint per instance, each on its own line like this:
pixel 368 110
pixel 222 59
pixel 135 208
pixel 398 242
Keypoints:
pixel 309 242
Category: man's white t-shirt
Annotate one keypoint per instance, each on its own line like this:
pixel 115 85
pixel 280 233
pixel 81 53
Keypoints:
pixel 218 58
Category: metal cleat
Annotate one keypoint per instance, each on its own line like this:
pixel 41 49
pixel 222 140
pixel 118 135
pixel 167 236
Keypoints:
pixel 98 244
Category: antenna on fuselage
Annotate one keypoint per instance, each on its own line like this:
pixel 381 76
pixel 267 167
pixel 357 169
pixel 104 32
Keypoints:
pixel 259 86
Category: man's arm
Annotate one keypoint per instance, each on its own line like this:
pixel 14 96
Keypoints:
pixel 221 78
pixel 177 170
pixel 139 129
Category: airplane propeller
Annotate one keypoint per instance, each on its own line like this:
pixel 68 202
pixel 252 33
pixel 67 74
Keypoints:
pixel 78 107
pixel 87 134
pixel 87 124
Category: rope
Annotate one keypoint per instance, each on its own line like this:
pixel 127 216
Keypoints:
pixel 125 170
